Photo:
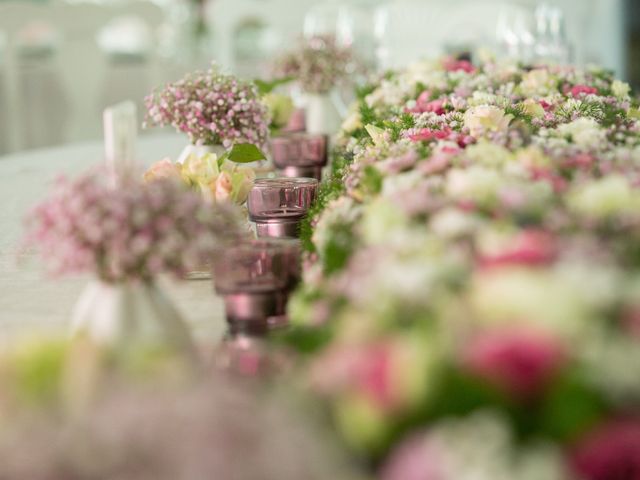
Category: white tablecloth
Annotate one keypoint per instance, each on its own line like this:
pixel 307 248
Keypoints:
pixel 32 302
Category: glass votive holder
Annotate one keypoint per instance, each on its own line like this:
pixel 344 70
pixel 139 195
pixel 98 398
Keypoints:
pixel 296 122
pixel 255 278
pixel 277 206
pixel 300 154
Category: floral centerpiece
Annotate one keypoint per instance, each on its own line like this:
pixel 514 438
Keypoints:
pixel 469 306
pixel 216 178
pixel 126 237
pixel 215 110
pixel 318 65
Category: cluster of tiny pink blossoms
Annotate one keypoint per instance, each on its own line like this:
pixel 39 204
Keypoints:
pixel 211 108
pixel 131 233
pixel 318 64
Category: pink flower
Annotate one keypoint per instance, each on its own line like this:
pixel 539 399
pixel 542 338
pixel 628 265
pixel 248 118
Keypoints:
pixel 579 90
pixel 416 458
pixel 371 371
pixel 165 168
pixel 520 362
pixel 558 183
pixel 424 104
pixel 631 321
pixel 546 105
pixel 581 160
pixel 611 452
pixel 426 134
pixel 435 164
pixel 453 65
pixel 529 247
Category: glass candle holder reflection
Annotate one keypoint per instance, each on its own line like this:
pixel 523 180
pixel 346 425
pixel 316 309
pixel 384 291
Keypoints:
pixel 278 205
pixel 255 278
pixel 300 154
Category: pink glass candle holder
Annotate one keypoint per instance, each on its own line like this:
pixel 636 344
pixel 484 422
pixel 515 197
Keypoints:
pixel 278 205
pixel 255 278
pixel 300 154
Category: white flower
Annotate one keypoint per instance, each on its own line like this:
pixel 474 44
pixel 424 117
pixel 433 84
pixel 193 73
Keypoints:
pixel 533 108
pixel 474 183
pixel 537 83
pixel 453 222
pixel 603 197
pixel 486 118
pixel 620 89
pixel 352 122
pixel 490 154
pixel 584 132
pixel 381 220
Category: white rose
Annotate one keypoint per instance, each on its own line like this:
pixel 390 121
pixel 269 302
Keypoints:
pixel 584 132
pixel 604 197
pixel 533 108
pixel 352 122
pixel 486 118
pixel 620 89
pixel 487 153
pixel 537 83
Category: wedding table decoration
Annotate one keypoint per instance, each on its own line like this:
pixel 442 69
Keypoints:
pixel 277 206
pixel 215 110
pixel 126 236
pixel 300 154
pixel 469 304
pixel 151 426
pixel 318 65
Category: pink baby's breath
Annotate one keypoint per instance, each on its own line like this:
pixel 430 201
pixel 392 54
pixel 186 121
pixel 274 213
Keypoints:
pixel 130 233
pixel 211 108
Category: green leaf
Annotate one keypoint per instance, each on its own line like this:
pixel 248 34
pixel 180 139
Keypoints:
pixel 376 134
pixel 265 87
pixel 245 153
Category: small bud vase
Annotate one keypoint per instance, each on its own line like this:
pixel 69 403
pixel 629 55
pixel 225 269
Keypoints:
pixel 322 114
pixel 126 316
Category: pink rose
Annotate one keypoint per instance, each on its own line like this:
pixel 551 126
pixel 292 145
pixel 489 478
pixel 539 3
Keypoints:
pixel 631 321
pixel 424 104
pixel 416 458
pixel 426 134
pixel 611 452
pixel 223 187
pixel 453 65
pixel 165 168
pixel 579 90
pixel 529 247
pixel 558 183
pixel 581 160
pixel 521 362
pixel 372 371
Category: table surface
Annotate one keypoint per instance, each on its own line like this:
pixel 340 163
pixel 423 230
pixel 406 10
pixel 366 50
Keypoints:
pixel 30 301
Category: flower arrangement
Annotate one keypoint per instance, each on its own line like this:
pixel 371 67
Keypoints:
pixel 130 233
pixel 144 426
pixel 471 285
pixel 211 108
pixel 319 64
pixel 216 178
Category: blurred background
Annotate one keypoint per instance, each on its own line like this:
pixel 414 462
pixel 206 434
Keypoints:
pixel 62 62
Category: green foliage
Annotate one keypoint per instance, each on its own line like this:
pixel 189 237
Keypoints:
pixel 331 188
pixel 37 372
pixel 519 113
pixel 245 153
pixel 371 181
pixel 265 87
pixel 304 339
pixel 570 408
